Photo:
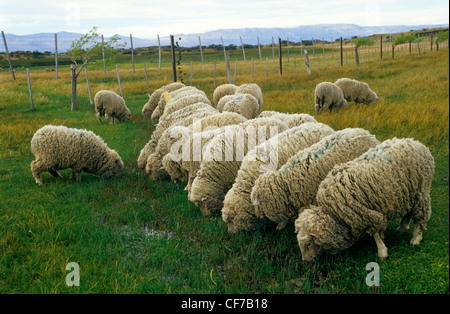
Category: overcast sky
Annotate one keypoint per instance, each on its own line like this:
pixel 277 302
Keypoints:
pixel 147 18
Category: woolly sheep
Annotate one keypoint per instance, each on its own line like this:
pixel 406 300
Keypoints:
pixel 389 181
pixel 267 113
pixel 58 147
pixel 222 159
pixel 294 119
pixel 357 91
pixel 238 210
pixel 180 102
pixel 161 126
pixel 112 106
pixel 281 194
pixel 252 89
pixel 174 96
pixel 244 104
pixel 328 96
pixel 200 132
pixel 154 167
pixel 153 100
pixel 223 90
pixel 221 103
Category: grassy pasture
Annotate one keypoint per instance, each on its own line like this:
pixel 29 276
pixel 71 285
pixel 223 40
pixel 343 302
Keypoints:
pixel 132 235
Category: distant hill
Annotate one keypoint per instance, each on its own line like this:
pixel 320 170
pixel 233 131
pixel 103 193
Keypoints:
pixel 45 41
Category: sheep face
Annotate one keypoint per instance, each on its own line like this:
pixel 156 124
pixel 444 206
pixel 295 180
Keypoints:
pixel 308 247
pixel 112 167
pixel 372 99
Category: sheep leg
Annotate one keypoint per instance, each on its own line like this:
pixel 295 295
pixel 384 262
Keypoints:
pixel 316 108
pixel 55 173
pixel 108 118
pixel 382 249
pixel 419 228
pixel 421 214
pixel 281 225
pixel 404 223
pixel 99 117
pixel 36 170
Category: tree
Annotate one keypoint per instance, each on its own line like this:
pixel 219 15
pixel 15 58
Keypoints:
pixel 361 41
pixel 87 50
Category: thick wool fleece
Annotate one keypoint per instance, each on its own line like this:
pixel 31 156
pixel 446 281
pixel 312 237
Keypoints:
pixel 328 97
pixel 223 90
pixel 244 104
pixel 58 147
pixel 111 106
pixel 172 119
pixel 152 103
pixel 357 91
pixel 294 119
pixel 223 157
pixel 166 97
pixel 389 181
pixel 185 100
pixel 252 89
pixel 281 194
pixel 154 167
pixel 222 102
pixel 238 211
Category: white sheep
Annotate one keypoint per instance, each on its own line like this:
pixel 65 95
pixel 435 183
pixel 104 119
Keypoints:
pixel 252 89
pixel 223 90
pixel 152 103
pixel 59 147
pixel 244 104
pixel 111 106
pixel 357 91
pixel 238 211
pixel 281 194
pixel 328 96
pixel 223 157
pixel 390 181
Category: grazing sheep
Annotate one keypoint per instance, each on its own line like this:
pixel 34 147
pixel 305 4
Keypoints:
pixel 223 90
pixel 244 104
pixel 238 211
pixel 252 89
pixel 389 181
pixel 223 157
pixel 172 119
pixel 195 136
pixel 180 102
pixel 154 167
pixel 281 194
pixel 294 119
pixel 221 103
pixel 328 96
pixel 176 95
pixel 153 100
pixel 112 106
pixel 58 147
pixel 267 113
pixel 357 91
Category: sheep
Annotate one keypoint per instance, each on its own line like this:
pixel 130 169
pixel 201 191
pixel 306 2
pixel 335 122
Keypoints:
pixel 221 103
pixel 161 126
pixel 154 167
pixel 150 106
pixel 252 89
pixel 175 95
pixel 222 159
pixel 390 181
pixel 112 106
pixel 294 119
pixel 357 91
pixel 195 137
pixel 59 147
pixel 281 194
pixel 185 100
pixel 244 104
pixel 328 96
pixel 223 90
pixel 238 211
pixel 267 113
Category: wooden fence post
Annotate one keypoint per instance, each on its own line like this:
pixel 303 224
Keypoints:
pixel 174 66
pixel 273 51
pixel 227 61
pixel 314 52
pixel 307 62
pixel 9 59
pixel 118 79
pixel 243 50
pixel 235 70
pixel 191 72
pixel 301 49
pixel 132 51
pixel 214 73
pixel 201 52
pixel 342 60
pixel 280 55
pixel 29 89
pixel 103 56
pixel 159 54
pixel 259 50
pixel 89 88
pixel 381 47
pixel 146 80
pixel 56 55
pixel 287 44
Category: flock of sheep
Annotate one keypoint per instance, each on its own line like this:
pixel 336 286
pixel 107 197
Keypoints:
pixel 254 167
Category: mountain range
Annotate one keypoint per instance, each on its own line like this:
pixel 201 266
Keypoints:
pixel 45 41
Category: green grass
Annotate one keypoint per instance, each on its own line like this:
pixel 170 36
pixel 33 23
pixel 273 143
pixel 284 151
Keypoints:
pixel 133 235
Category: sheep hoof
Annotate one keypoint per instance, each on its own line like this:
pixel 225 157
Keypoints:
pixel 281 225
